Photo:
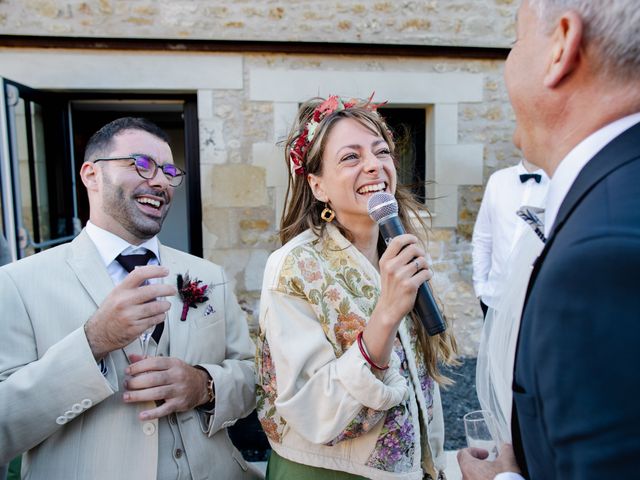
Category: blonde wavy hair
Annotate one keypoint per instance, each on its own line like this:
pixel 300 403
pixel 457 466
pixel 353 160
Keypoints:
pixel 302 210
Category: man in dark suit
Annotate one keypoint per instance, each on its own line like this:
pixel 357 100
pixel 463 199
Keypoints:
pixel 573 79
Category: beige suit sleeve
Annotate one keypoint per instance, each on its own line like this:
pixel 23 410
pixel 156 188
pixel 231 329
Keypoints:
pixel 40 391
pixel 234 378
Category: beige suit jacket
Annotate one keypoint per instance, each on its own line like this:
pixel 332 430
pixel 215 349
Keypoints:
pixel 56 404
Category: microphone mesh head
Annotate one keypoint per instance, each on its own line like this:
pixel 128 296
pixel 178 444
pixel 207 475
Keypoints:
pixel 382 205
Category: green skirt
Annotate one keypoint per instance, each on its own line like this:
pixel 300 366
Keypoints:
pixel 280 468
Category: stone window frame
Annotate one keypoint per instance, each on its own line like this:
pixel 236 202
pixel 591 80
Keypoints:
pixel 450 163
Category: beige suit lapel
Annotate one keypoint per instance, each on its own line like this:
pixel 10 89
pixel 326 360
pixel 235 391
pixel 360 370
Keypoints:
pixel 175 330
pixel 87 265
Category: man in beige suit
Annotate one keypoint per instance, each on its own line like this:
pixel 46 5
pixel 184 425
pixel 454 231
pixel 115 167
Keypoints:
pixel 77 393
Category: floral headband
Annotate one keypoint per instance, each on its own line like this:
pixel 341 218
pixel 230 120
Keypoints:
pixel 300 145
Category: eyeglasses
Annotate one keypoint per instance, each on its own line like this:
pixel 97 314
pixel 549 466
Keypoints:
pixel 147 168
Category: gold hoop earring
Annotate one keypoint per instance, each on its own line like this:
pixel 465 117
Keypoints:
pixel 327 214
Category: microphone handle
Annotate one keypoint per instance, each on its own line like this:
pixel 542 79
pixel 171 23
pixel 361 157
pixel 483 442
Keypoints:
pixel 428 311
pixel 425 306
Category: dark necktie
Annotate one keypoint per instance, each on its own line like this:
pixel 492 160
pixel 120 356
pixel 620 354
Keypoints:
pixel 528 176
pixel 129 262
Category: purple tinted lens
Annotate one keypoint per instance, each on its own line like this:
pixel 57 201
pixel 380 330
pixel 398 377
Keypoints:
pixel 170 170
pixel 144 163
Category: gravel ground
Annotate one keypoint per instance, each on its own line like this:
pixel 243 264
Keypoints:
pixel 248 437
pixel 457 400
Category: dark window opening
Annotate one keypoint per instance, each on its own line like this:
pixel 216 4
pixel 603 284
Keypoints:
pixel 409 133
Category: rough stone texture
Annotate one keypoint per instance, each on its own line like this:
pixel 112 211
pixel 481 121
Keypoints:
pixel 237 186
pixel 420 22
pixel 220 226
pixel 450 254
pixel 212 146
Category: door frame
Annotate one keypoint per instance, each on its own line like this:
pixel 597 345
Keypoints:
pixel 62 100
pixel 7 191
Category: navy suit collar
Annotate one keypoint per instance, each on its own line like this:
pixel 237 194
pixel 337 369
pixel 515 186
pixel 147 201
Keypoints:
pixel 621 150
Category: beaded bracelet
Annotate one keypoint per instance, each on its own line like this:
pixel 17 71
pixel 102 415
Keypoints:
pixel 364 353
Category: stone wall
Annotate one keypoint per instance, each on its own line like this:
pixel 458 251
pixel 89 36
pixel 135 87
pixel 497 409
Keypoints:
pixel 420 22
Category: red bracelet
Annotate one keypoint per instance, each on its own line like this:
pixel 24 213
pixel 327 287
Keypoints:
pixel 363 351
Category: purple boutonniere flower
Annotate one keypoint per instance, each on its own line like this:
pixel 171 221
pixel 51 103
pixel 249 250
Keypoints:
pixel 191 293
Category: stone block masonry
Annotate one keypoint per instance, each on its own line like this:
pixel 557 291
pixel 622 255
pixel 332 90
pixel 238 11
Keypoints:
pixel 487 23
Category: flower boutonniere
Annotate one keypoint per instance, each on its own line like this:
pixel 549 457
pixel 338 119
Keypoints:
pixel 191 293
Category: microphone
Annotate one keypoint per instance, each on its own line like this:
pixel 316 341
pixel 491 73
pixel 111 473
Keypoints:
pixel 383 209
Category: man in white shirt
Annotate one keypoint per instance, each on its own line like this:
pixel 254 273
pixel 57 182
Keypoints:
pixel 112 371
pixel 498 227
pixel 572 77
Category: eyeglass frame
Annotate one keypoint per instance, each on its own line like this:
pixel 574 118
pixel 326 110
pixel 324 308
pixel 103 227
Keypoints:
pixel 180 176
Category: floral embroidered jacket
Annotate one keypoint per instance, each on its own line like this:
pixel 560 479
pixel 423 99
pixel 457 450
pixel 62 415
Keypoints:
pixel 318 399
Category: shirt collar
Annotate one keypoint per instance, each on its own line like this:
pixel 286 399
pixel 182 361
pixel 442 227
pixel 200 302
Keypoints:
pixel 520 170
pixel 110 245
pixel 574 162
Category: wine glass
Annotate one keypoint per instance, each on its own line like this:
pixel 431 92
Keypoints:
pixel 145 337
pixel 144 341
pixel 480 429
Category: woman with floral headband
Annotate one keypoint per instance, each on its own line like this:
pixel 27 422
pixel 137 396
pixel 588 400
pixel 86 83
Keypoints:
pixel 346 376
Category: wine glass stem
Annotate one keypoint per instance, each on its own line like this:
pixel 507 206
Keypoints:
pixel 144 341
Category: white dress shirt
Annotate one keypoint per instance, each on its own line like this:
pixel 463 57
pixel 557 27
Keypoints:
pixel 498 227
pixel 110 246
pixel 563 178
pixel 574 162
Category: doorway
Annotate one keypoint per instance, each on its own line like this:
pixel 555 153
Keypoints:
pixel 89 115
pixel 42 139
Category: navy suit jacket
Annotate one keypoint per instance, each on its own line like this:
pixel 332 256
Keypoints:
pixel 576 382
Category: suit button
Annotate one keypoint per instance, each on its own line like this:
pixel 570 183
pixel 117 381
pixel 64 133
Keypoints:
pixel 178 453
pixel 69 414
pixel 61 420
pixel 77 408
pixel 86 403
pixel 149 428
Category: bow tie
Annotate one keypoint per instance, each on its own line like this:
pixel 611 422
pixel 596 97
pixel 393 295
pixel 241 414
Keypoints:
pixel 528 176
pixel 129 263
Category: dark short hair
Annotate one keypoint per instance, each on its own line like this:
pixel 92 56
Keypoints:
pixel 101 140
